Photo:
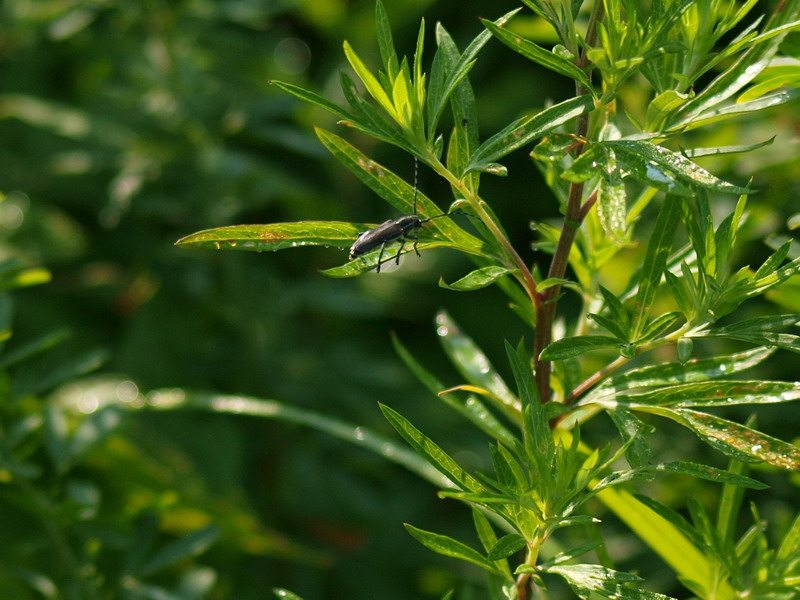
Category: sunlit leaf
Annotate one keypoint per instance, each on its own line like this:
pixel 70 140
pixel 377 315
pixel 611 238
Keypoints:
pixel 698 471
pixel 537 54
pixel 442 544
pixel 480 278
pixel 506 546
pixel 523 131
pixel 694 370
pixel 733 439
pixel 574 346
pixel 667 170
pixel 586 580
pixel 474 365
pixel 276 236
pixel 429 450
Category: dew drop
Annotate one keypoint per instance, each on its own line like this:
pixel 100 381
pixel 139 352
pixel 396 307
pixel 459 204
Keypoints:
pixel 442 331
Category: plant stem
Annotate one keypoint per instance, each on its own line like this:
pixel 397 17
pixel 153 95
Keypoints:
pixel 573 217
pixel 525 277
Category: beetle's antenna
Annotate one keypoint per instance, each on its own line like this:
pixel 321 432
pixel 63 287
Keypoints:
pixel 416 170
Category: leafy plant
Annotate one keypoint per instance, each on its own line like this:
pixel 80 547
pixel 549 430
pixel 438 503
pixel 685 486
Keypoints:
pixel 607 164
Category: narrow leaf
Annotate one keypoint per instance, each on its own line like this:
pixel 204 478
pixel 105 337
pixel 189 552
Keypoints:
pixel 275 236
pixel 447 546
pixel 181 549
pixel 480 278
pixel 672 164
pixel 715 393
pixel 695 370
pixel 574 346
pixel 474 365
pixel 537 54
pixel 523 131
pixel 588 579
pixel 733 439
pixel 506 546
pixel 429 450
pixel 655 260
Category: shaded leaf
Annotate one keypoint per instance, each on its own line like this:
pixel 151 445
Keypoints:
pixel 460 70
pixel 189 546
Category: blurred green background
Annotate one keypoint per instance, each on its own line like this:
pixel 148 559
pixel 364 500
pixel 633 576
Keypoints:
pixel 127 124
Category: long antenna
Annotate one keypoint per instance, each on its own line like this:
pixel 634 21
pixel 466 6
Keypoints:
pixel 416 170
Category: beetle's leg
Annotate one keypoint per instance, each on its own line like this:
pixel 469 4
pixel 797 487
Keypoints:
pixel 380 257
pixel 399 250
pixel 416 242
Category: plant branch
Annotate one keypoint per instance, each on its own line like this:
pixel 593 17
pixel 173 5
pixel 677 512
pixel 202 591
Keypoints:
pixel 573 217
pixel 525 277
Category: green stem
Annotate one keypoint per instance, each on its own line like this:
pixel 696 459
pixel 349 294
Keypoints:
pixel 524 275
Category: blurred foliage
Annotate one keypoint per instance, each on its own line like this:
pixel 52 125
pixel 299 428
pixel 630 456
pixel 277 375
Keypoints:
pixel 125 125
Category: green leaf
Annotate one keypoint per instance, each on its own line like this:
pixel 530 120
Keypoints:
pixel 695 370
pixel 760 330
pixel 189 546
pixel 523 131
pixel 573 346
pixel 722 150
pixel 571 554
pixel 179 399
pixel 459 71
pixel 429 450
pixel 734 111
pixel 480 278
pixel 586 580
pixel 591 163
pixel 471 408
pixel 315 99
pixel 632 429
pixel 612 206
pixel 474 365
pixel 397 192
pixel 661 107
pixel 691 469
pixel 715 393
pixel 276 236
pixel 523 374
pixel 383 32
pixel 14 275
pixel 506 546
pixel 733 439
pixel 372 84
pixel 658 250
pixel 537 54
pixel 666 170
pixel 285 594
pixel 442 544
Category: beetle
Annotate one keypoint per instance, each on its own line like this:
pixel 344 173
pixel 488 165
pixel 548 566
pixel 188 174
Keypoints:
pixel 390 231
pixel 387 232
